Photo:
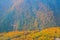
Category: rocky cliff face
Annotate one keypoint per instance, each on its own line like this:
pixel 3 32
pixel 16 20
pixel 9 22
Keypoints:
pixel 28 15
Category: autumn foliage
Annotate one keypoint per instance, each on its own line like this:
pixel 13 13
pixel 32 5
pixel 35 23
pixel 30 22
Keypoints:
pixel 46 34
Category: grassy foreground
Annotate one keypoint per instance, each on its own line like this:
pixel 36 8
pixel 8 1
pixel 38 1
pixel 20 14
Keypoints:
pixel 46 34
